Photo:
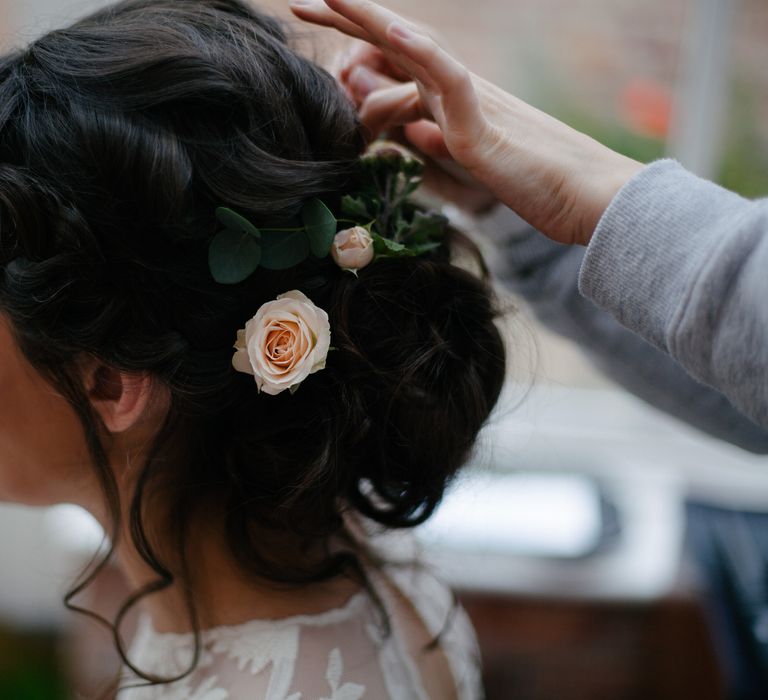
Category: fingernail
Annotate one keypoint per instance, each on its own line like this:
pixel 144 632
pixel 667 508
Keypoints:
pixel 301 3
pixel 401 31
pixel 362 80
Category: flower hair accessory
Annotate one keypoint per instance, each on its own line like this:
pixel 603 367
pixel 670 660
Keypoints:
pixel 353 249
pixel 379 221
pixel 287 340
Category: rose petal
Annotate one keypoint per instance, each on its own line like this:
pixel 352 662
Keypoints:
pixel 241 362
pixel 286 340
pixel 295 294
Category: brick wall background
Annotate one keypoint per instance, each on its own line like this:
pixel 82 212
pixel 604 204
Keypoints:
pixel 588 49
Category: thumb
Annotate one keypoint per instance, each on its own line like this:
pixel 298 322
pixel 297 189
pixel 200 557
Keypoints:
pixel 427 137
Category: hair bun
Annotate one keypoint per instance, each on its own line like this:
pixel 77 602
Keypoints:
pixel 421 348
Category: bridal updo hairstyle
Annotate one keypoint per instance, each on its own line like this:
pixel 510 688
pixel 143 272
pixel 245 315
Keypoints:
pixel 119 138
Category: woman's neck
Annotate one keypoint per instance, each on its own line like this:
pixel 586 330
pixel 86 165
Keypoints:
pixel 225 594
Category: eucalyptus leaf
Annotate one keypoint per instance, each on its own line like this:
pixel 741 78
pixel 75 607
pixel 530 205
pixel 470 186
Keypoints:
pixel 320 226
pixel 234 222
pixel 281 250
pixel 233 256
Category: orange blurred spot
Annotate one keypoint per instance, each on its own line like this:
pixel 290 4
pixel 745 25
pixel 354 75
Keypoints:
pixel 646 107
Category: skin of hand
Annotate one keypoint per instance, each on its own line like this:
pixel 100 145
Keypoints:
pixel 556 178
pixel 376 86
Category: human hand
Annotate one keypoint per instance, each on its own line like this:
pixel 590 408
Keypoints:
pixel 384 96
pixel 382 93
pixel 558 179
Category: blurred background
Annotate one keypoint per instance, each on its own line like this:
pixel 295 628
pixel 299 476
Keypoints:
pixel 603 549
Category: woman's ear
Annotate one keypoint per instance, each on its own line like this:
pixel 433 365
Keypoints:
pixel 120 398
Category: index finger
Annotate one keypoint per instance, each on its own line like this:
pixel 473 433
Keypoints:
pixel 411 48
pixel 317 12
pixel 372 18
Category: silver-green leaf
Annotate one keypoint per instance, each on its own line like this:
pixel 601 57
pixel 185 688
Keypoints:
pixel 233 256
pixel 234 222
pixel 320 225
pixel 282 250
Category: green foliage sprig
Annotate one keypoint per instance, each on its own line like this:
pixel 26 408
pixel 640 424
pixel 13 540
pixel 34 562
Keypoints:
pixel 381 204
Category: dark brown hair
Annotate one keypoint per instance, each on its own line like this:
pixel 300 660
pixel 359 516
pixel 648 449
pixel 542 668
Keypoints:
pixel 119 136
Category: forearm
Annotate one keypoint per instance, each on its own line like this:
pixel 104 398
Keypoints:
pixel 684 263
pixel 546 273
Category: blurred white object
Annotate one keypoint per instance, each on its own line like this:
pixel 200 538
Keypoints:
pixel 42 550
pixel 501 532
pixel 548 515
pixel 74 529
pixel 569 555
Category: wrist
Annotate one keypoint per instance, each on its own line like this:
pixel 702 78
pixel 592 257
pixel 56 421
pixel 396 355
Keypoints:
pixel 617 170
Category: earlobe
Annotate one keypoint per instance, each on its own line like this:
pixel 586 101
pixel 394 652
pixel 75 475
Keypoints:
pixel 120 398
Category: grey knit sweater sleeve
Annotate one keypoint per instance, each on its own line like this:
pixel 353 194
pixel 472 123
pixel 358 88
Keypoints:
pixel 546 275
pixel 684 263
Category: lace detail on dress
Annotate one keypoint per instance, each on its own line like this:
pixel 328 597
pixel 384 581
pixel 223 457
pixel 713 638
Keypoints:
pixel 341 654
pixel 348 691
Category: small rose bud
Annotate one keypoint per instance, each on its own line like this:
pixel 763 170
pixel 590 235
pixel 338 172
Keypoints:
pixel 352 248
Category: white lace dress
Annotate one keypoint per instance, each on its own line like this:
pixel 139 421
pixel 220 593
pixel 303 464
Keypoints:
pixel 342 654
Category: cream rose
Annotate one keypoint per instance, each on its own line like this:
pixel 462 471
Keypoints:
pixel 352 248
pixel 286 341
